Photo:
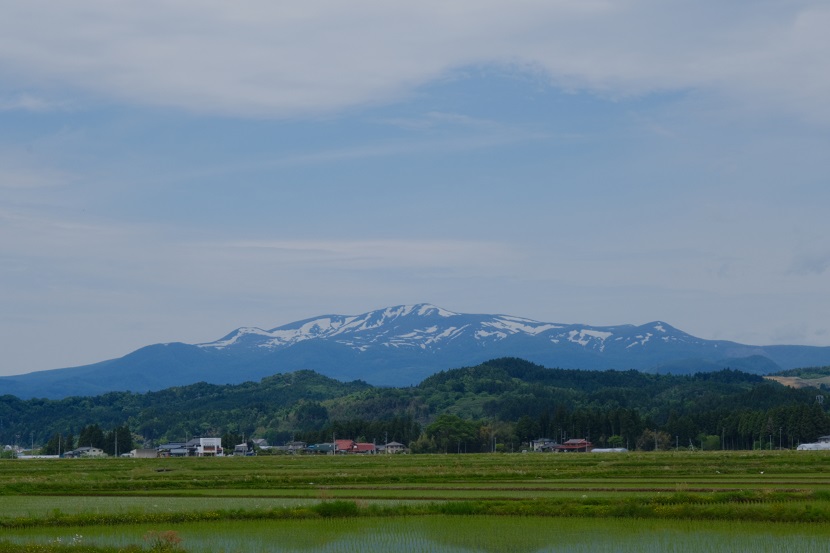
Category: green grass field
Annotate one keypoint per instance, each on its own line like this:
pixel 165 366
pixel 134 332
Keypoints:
pixel 44 499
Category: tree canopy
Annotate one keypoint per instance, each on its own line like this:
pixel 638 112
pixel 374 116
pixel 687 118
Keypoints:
pixel 501 404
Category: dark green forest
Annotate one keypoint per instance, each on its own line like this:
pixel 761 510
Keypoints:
pixel 499 405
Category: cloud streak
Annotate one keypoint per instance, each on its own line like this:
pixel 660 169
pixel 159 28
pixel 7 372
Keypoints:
pixel 28 102
pixel 258 58
pixel 170 169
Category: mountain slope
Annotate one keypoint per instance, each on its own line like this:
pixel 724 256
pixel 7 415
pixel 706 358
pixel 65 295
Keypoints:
pixel 403 345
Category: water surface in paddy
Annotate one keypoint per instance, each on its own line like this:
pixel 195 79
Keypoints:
pixel 459 534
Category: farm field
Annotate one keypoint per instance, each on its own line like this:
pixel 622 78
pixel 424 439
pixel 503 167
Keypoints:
pixel 281 503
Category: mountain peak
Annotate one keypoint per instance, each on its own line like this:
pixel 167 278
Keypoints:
pixel 401 345
pixel 418 309
pixel 424 309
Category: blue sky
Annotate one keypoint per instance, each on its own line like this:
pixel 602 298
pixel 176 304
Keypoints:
pixel 170 171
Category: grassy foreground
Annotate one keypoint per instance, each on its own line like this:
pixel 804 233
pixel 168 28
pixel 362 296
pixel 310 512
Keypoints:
pixel 770 486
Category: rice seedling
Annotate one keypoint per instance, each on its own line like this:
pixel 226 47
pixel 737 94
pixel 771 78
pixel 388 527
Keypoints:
pixel 456 534
pixel 399 501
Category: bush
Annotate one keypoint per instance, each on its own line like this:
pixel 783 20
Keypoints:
pixel 336 509
pixel 163 541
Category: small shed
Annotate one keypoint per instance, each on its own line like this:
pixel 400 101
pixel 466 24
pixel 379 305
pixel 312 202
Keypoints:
pixel 144 453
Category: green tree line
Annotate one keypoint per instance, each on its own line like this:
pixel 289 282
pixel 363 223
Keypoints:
pixel 500 405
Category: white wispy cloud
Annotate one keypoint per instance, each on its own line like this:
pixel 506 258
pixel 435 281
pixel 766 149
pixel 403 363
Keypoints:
pixel 484 135
pixel 29 102
pixel 282 59
pixel 102 255
pixel 372 254
pixel 439 119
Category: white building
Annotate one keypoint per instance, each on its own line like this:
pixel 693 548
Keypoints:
pixel 820 446
pixel 209 447
pixel 394 447
pixel 86 451
pixel 143 453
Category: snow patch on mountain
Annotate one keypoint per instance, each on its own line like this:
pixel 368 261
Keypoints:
pixel 424 338
pixel 428 327
pixel 515 325
pixel 427 309
pixel 641 340
pixel 236 336
pixel 584 336
pixel 400 326
pixel 481 334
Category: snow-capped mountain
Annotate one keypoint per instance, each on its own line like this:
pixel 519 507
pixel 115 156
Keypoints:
pixel 403 345
pixel 422 326
pixel 428 328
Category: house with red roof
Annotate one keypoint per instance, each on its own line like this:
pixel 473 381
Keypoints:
pixel 573 445
pixel 344 446
pixel 365 448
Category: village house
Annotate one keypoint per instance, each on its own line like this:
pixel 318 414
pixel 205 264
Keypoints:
pixel 243 450
pixel 197 447
pixel 822 444
pixel 207 447
pixel 364 448
pixel 296 447
pixel 86 451
pixel 573 445
pixel 393 447
pixel 542 444
pixel 144 453
pixel 291 448
pixel 321 449
pixel 172 449
pixel 351 446
pixel 344 446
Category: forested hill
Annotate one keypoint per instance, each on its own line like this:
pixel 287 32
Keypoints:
pixel 509 400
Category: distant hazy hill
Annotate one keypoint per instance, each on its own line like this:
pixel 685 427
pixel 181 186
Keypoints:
pixel 402 345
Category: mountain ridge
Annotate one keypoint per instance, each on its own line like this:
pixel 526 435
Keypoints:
pixel 402 345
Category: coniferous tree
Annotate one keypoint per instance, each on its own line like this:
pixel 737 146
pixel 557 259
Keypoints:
pixel 92 436
pixel 118 441
pixel 230 440
pixel 69 445
pixel 54 446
